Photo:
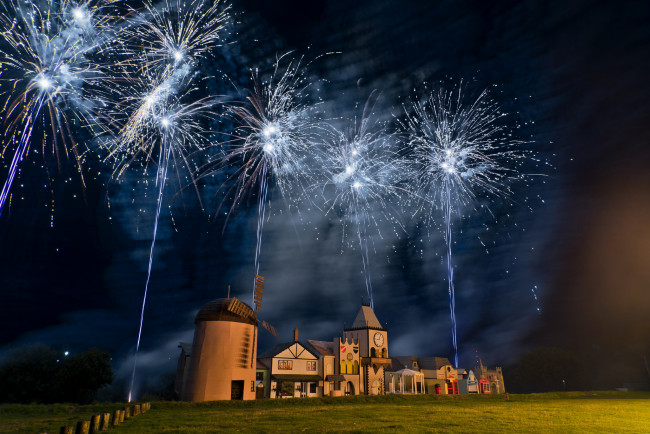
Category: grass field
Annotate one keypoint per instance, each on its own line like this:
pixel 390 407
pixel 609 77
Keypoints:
pixel 604 412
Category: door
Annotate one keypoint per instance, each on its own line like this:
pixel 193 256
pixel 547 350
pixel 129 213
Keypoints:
pixel 237 390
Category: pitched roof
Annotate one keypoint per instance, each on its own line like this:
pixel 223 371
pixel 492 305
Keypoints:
pixel 278 348
pixel 273 351
pixel 366 318
pixel 325 348
pixel 433 362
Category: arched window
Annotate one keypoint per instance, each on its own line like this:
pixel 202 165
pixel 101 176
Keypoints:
pixel 350 367
pixel 355 367
pixel 384 353
pixel 373 352
pixel 344 367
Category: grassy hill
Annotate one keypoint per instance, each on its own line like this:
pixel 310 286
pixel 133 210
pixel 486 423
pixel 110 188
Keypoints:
pixel 550 412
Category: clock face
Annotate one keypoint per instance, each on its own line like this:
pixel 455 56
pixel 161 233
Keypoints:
pixel 379 339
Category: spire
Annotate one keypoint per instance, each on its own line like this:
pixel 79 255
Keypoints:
pixel 366 318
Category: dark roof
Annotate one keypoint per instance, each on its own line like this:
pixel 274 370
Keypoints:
pixel 396 365
pixel 217 310
pixel 335 378
pixel 433 362
pixel 261 365
pixel 323 347
pixel 278 348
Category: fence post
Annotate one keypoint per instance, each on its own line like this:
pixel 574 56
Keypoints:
pixel 83 426
pixel 127 412
pixel 116 417
pixel 66 430
pixel 121 415
pixel 103 426
pixel 94 424
pixel 136 410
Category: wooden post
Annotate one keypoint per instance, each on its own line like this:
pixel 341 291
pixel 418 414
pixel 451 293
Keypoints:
pixel 116 417
pixel 121 416
pixel 66 430
pixel 127 412
pixel 83 427
pixel 136 410
pixel 94 423
pixel 103 426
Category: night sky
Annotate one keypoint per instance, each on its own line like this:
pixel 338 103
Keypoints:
pixel 575 75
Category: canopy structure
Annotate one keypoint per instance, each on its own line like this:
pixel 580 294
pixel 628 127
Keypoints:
pixel 407 381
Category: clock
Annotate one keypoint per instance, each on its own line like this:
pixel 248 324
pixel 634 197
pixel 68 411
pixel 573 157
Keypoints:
pixel 379 339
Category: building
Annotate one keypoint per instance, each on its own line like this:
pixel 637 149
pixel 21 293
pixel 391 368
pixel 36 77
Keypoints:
pixel 351 364
pixel 294 370
pixel 221 362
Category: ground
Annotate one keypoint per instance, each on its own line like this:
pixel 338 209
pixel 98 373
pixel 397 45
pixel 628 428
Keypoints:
pixel 551 412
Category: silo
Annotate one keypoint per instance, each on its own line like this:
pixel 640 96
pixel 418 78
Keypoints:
pixel 222 364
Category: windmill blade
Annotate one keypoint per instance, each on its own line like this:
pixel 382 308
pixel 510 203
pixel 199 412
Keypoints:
pixel 238 308
pixel 269 328
pixel 258 292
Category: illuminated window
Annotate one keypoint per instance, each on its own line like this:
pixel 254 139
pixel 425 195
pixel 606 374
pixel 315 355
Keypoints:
pixel 285 364
pixel 311 365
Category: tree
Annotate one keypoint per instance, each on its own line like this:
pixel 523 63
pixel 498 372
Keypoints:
pixel 547 370
pixel 41 374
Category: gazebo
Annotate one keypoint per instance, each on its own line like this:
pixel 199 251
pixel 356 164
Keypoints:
pixel 403 375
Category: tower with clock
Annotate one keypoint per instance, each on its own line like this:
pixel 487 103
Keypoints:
pixel 372 339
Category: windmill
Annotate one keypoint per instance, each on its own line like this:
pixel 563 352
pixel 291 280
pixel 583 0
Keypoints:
pixel 239 308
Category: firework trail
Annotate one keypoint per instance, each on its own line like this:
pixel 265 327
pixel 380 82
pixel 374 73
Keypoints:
pixel 363 173
pixel 165 124
pixel 162 48
pixel 460 151
pixel 47 62
pixel 272 140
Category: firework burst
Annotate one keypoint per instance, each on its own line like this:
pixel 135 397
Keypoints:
pixel 460 152
pixel 363 177
pixel 273 138
pixel 157 116
pixel 45 71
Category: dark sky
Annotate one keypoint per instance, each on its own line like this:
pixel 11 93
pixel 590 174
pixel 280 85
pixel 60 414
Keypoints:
pixel 577 72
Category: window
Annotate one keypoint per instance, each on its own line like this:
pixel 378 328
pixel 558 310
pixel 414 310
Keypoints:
pixel 259 376
pixel 312 387
pixel 311 365
pixel 285 364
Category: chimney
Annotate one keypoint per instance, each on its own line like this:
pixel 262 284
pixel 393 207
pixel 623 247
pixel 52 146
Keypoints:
pixel 295 334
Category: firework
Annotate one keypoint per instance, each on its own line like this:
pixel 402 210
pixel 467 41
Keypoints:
pixel 45 71
pixel 171 33
pixel 157 116
pixel 363 177
pixel 460 152
pixel 273 138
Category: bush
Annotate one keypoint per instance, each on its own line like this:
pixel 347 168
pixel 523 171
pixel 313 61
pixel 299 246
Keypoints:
pixel 40 374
